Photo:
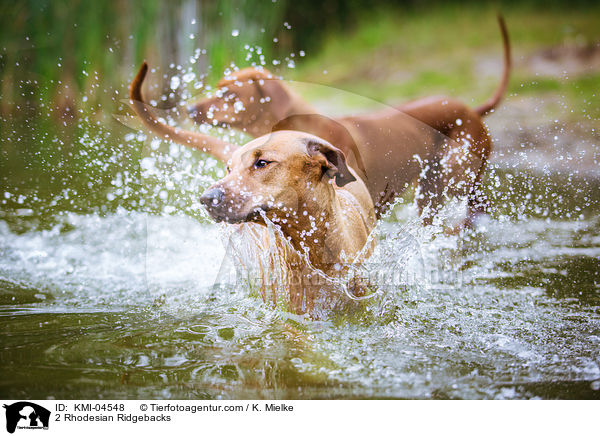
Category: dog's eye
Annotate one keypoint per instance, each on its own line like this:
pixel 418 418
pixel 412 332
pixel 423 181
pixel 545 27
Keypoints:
pixel 261 163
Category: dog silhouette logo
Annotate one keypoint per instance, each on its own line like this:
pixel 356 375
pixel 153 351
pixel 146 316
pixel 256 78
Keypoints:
pixel 26 415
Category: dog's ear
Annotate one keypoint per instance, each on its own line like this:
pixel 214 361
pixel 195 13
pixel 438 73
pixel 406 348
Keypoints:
pixel 335 159
pixel 280 99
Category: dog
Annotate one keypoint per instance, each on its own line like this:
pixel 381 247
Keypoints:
pixel 297 174
pixel 438 142
pixel 296 180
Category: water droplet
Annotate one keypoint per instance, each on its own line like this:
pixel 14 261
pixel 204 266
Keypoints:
pixel 235 32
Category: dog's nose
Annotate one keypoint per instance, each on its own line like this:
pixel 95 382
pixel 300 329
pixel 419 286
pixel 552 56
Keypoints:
pixel 192 110
pixel 212 197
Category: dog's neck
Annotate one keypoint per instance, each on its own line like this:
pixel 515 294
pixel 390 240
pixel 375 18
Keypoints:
pixel 307 120
pixel 298 105
pixel 313 228
pixel 294 105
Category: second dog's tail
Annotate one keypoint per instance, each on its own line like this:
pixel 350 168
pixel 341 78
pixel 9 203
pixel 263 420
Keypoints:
pixel 208 144
pixel 489 105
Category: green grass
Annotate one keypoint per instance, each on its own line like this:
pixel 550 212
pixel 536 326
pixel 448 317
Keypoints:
pixel 396 55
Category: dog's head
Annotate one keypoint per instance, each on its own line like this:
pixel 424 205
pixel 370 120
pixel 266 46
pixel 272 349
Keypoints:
pixel 277 174
pixel 250 99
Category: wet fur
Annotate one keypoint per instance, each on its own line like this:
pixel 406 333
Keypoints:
pixel 322 207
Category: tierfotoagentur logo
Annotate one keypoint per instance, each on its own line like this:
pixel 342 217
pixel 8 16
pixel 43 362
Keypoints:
pixel 26 415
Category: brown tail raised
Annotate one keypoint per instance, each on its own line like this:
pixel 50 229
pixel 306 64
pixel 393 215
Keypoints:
pixel 208 144
pixel 489 105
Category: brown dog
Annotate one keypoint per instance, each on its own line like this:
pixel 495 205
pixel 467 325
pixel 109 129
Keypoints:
pixel 296 180
pixel 438 141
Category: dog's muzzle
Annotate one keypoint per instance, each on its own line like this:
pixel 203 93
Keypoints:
pixel 212 197
pixel 213 200
pixel 220 209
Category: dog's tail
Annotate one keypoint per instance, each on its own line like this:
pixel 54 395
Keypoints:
pixel 489 105
pixel 214 146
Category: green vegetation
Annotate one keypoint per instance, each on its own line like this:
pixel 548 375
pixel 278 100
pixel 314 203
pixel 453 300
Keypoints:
pixel 395 55
pixel 54 52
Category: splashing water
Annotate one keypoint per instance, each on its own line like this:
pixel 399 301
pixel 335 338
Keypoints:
pixel 134 295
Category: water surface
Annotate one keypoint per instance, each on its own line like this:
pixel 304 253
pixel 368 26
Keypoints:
pixel 128 305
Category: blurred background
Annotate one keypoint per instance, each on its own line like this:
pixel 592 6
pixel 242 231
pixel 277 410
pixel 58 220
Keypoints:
pixel 107 260
pixel 55 52
pixel 65 67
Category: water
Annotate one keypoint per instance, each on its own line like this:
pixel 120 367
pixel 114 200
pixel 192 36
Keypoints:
pixel 125 306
